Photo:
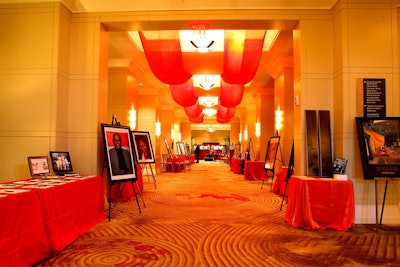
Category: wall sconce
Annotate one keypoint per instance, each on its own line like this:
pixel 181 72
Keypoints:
pixel 278 120
pixel 258 129
pixel 172 134
pixel 246 135
pixel 132 118
pixel 158 128
pixel 240 137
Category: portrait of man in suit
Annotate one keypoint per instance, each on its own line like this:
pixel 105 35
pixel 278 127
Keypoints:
pixel 121 162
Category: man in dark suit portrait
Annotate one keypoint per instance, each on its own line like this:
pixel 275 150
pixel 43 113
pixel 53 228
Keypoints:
pixel 121 162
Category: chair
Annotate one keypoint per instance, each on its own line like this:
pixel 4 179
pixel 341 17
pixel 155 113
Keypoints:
pixel 166 163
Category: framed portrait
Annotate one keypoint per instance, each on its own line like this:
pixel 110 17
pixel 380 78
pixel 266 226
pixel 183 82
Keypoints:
pixel 61 162
pixel 272 150
pixel 379 142
pixel 39 166
pixel 143 147
pixel 118 145
pixel 181 148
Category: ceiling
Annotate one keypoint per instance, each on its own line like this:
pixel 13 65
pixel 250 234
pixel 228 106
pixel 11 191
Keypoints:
pixel 123 52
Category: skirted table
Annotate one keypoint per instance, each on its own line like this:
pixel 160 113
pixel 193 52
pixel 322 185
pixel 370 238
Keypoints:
pixel 43 218
pixel 320 203
pixel 254 170
pixel 237 165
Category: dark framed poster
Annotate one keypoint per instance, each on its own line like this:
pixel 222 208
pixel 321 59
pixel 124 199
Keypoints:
pixel 379 141
pixel 118 145
pixel 374 91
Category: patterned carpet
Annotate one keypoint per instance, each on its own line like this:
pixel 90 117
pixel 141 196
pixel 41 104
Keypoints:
pixel 211 217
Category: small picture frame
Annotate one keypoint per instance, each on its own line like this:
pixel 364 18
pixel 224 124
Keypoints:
pixel 118 144
pixel 339 166
pixel 39 166
pixel 61 162
pixel 143 147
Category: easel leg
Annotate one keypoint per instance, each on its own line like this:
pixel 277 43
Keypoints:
pixel 383 202
pixel 109 203
pixel 376 205
pixel 119 194
pixel 265 174
pixel 137 200
pixel 284 194
pixel 140 192
pixel 154 178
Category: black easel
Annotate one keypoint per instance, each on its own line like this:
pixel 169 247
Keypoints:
pixel 133 181
pixel 383 201
pixel 288 175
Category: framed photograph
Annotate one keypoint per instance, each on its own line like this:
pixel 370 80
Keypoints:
pixel 339 166
pixel 272 150
pixel 118 145
pixel 61 162
pixel 379 142
pixel 39 166
pixel 181 148
pixel 143 147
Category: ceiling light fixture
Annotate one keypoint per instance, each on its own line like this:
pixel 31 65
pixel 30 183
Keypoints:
pixel 207 82
pixel 200 42
pixel 209 112
pixel 208 101
pixel 211 129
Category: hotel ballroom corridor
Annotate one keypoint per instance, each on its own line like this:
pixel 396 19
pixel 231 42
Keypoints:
pixel 209 216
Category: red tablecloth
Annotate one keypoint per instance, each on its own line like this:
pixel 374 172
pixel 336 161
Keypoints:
pixel 237 165
pixel 71 209
pixel 22 235
pixel 254 170
pixel 125 189
pixel 280 183
pixel 320 203
pixel 43 221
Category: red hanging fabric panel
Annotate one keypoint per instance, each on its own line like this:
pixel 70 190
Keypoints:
pixel 231 94
pixel 193 111
pixel 223 120
pixel 183 94
pixel 165 59
pixel 198 119
pixel 224 112
pixel 242 54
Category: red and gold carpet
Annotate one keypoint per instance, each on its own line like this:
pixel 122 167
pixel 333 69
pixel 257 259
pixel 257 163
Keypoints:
pixel 211 217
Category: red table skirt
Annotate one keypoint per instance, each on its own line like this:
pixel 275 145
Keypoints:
pixel 42 221
pixel 280 182
pixel 124 190
pixel 254 170
pixel 320 203
pixel 237 165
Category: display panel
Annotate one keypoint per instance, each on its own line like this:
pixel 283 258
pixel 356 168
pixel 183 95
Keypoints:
pixel 379 146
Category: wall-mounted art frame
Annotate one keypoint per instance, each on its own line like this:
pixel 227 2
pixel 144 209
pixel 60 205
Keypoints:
pixel 143 147
pixel 61 162
pixel 118 145
pixel 272 151
pixel 379 142
pixel 39 166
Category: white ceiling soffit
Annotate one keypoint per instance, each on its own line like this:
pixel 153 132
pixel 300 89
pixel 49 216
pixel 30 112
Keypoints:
pixel 156 5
